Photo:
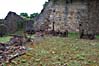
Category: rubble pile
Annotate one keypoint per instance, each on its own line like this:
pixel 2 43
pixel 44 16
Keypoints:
pixel 12 49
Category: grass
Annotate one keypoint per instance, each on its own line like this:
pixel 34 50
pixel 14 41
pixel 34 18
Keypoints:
pixel 5 39
pixel 59 51
pixel 97 36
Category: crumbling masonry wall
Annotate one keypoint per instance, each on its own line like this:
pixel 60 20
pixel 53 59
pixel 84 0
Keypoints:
pixel 53 12
pixel 72 15
pixel 89 23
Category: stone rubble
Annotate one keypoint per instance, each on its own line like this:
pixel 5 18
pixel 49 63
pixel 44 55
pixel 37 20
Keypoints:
pixel 16 47
pixel 11 50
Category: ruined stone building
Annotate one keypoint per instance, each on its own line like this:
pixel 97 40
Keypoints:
pixel 11 21
pixel 72 15
pixel 14 22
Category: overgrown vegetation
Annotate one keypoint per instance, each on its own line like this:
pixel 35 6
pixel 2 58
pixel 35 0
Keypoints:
pixel 59 51
pixel 26 15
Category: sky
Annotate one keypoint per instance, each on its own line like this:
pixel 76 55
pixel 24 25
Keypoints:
pixel 20 6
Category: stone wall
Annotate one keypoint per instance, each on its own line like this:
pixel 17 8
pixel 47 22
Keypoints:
pixel 64 15
pixel 28 25
pixel 89 22
pixel 75 10
pixel 54 12
pixel 94 16
pixel 71 15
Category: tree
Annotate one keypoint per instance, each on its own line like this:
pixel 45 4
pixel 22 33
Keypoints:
pixel 33 15
pixel 24 15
